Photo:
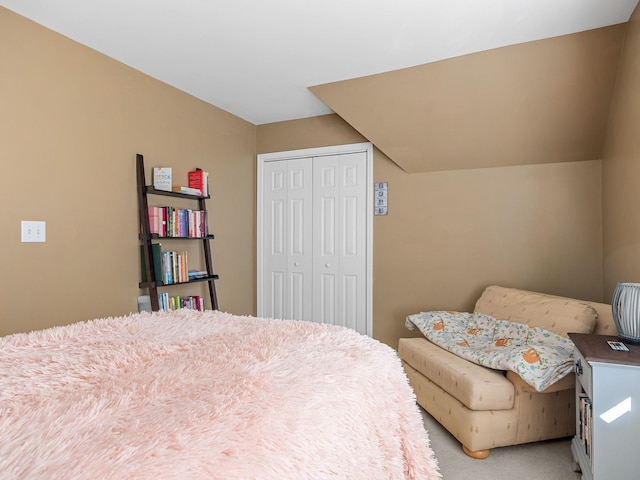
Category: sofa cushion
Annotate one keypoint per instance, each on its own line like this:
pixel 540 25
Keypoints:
pixel 557 314
pixel 477 387
pixel 566 383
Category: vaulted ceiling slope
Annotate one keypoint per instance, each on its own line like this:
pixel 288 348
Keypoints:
pixel 539 102
pixel 257 58
pixel 435 84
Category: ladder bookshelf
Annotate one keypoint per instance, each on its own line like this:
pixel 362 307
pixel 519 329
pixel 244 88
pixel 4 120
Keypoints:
pixel 147 240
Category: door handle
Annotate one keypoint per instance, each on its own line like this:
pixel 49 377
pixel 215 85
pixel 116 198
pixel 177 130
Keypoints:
pixel 327 265
pixel 296 264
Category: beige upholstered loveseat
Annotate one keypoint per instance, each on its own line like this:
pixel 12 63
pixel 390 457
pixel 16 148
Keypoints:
pixel 486 408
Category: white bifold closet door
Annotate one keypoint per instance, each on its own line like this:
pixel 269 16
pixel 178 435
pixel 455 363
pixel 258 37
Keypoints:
pixel 287 239
pixel 314 245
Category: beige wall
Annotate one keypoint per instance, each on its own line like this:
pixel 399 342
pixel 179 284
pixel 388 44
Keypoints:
pixel 621 170
pixel 449 234
pixel 536 102
pixel 71 123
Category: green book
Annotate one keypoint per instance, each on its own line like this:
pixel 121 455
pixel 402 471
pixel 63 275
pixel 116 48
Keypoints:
pixel 156 249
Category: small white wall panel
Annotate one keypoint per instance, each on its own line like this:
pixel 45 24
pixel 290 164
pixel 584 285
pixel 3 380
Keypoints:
pixel 297 178
pixel 350 226
pixel 327 227
pixel 276 309
pixel 327 299
pixel 350 305
pixel 350 176
pixel 297 227
pixel 296 296
pixel 327 175
pixel 277 228
pixel 277 181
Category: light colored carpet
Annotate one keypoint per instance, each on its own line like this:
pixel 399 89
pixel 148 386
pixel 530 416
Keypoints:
pixel 548 460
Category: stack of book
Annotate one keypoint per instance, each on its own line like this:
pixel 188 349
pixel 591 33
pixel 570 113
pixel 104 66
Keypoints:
pixel 174 267
pixel 174 302
pixel 585 413
pixel 169 267
pixel 187 190
pixel 196 274
pixel 177 222
pixel 199 180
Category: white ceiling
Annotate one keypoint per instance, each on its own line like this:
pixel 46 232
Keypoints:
pixel 256 58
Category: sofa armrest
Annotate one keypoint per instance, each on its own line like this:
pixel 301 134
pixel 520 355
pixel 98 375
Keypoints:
pixel 565 383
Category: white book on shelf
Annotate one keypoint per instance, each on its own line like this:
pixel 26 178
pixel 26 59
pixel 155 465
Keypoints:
pixel 162 178
pixel 187 190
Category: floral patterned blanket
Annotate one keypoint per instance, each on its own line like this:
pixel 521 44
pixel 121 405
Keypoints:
pixel 540 357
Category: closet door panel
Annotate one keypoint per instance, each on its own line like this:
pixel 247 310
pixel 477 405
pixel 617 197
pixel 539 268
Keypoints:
pixel 287 229
pixel 339 197
pixel 274 239
pixel 299 225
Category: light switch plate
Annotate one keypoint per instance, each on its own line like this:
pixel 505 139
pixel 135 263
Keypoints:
pixel 33 231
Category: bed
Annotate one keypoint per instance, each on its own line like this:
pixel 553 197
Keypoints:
pixel 189 394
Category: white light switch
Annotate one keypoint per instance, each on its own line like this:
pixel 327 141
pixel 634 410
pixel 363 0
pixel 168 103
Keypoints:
pixel 33 231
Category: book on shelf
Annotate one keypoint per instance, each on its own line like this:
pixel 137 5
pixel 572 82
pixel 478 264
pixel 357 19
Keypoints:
pixel 162 222
pixel 153 216
pixel 175 302
pixel 162 178
pixel 199 179
pixel 585 416
pixel 174 267
pixel 187 190
pixel 195 274
pixel 156 249
pixel 177 222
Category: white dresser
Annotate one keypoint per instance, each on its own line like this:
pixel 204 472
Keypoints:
pixel 607 441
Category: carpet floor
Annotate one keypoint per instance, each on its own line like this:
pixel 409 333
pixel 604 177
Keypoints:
pixel 548 460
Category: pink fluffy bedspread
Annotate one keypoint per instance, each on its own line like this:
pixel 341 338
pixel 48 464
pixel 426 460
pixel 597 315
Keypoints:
pixel 206 395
